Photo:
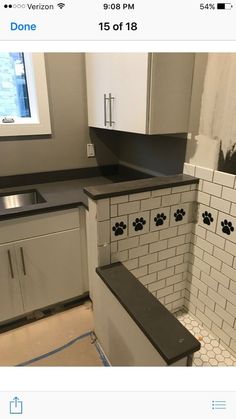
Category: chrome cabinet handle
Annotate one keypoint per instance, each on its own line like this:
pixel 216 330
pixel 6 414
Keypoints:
pixel 109 98
pixel 23 260
pixel 105 109
pixel 10 263
pixel 110 110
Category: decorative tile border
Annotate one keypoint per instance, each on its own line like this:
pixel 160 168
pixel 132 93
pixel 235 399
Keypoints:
pixel 207 217
pixel 160 218
pixel 181 214
pixel 139 223
pixel 119 228
pixel 227 227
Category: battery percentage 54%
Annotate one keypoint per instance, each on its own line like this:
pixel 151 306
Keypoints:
pixel 216 6
pixel 207 6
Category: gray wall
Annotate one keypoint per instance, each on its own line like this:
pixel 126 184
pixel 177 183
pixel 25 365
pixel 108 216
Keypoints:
pixel 66 149
pixel 157 153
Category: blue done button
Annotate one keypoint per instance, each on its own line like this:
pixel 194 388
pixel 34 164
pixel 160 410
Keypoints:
pixel 23 26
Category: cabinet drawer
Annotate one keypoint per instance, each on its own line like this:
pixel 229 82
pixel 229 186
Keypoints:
pixel 38 225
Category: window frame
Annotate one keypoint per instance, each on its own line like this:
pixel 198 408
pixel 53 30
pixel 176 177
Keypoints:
pixel 39 122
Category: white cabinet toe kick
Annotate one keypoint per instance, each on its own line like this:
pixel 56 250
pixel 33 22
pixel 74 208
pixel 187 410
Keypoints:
pixel 134 328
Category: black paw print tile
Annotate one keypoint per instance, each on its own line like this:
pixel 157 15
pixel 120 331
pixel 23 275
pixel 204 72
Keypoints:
pixel 159 219
pixel 119 228
pixel 207 218
pixel 179 214
pixel 139 223
pixel 227 227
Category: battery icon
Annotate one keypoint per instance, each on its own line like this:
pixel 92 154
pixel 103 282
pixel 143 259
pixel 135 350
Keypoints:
pixel 224 6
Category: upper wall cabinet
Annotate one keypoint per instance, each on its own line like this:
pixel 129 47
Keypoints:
pixel 139 92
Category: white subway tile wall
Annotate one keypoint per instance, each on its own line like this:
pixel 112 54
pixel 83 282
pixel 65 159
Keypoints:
pixel 180 243
pixel 224 179
pixel 150 234
pixel 211 285
pixel 203 173
pixel 189 169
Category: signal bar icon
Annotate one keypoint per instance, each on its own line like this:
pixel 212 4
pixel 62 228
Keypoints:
pixel 61 5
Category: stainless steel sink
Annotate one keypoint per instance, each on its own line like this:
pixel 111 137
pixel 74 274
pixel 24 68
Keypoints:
pixel 20 199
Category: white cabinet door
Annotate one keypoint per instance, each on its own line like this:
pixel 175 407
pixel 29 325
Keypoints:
pixel 124 77
pixel 130 92
pixel 10 293
pixel 98 74
pixel 50 269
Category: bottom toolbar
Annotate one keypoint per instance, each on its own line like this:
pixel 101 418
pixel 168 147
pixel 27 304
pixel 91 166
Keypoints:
pixel 117 404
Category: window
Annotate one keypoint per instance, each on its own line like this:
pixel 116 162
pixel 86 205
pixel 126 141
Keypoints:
pixel 14 97
pixel 24 106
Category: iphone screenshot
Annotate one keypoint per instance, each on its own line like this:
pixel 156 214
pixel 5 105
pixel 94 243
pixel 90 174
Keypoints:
pixel 117 209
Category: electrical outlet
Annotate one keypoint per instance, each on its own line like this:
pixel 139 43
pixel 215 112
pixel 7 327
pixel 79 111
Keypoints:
pixel 90 150
pixel 189 136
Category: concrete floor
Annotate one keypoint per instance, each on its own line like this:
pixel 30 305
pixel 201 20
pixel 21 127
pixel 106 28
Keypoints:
pixel 32 340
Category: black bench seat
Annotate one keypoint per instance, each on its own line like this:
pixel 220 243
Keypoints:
pixel 169 337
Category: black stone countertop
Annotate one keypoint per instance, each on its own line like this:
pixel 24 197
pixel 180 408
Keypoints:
pixel 62 189
pixel 141 185
pixel 58 195
pixel 171 339
pixel 67 194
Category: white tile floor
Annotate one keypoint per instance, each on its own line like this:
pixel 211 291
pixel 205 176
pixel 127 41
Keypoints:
pixel 212 353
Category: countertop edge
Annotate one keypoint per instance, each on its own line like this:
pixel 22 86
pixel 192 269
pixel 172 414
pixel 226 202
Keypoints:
pixel 34 211
pixel 138 186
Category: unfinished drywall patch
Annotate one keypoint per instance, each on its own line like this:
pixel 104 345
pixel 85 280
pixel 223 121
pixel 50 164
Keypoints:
pixel 214 144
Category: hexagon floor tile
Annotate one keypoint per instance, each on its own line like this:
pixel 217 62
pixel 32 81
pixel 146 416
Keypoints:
pixel 212 353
